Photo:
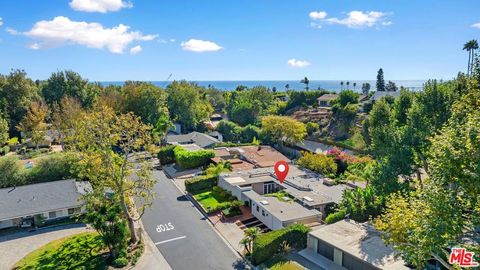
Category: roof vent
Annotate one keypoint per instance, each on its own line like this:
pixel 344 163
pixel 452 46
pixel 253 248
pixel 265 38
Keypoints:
pixel 308 199
pixel 264 202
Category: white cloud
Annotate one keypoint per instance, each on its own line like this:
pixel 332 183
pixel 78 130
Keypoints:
pixel 1 21
pixel 360 19
pixel 136 49
pixel 476 25
pixel 197 45
pixel 298 63
pixel 12 31
pixel 34 46
pixel 317 15
pixel 102 6
pixel 62 31
pixel 172 40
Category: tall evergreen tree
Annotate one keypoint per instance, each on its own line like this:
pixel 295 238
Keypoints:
pixel 380 81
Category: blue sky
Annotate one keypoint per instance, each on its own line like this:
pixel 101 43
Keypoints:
pixel 238 39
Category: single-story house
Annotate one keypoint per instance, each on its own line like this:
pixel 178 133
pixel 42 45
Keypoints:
pixel 248 157
pixel 277 214
pixel 200 139
pixel 380 94
pixel 325 99
pixel 350 245
pixel 25 205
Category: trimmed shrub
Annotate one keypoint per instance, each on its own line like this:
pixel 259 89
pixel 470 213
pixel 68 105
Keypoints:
pixel 334 217
pixel 192 159
pixel 268 244
pixel 166 155
pixel 200 184
pixel 120 262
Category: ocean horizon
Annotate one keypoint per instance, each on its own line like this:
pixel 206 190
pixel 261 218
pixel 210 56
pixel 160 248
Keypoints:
pixel 331 85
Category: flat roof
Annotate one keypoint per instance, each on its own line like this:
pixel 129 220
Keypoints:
pixel 362 241
pixel 39 198
pixel 284 211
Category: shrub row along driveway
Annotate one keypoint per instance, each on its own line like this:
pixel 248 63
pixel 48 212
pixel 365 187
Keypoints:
pixel 14 247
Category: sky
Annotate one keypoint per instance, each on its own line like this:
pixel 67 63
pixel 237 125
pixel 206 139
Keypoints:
pixel 116 40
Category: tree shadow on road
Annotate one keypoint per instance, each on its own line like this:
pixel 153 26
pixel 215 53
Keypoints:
pixel 239 264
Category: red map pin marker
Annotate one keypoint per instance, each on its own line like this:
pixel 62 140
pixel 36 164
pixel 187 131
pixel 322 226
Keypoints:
pixel 281 170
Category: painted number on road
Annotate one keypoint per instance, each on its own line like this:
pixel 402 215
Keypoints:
pixel 165 227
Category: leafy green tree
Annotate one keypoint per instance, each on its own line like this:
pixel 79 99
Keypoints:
pixel 69 83
pixel 163 126
pixel 391 87
pixel 105 216
pixel 216 98
pixel 365 88
pixel 361 204
pixel 145 100
pixel 401 107
pixel 303 98
pixel 380 81
pixel 243 113
pixel 187 104
pixel 245 107
pixel 33 124
pixel 312 128
pixel 319 163
pixel 283 129
pixel 347 97
pixel 16 93
pixel 230 130
pixel 3 131
pixel 105 144
pixel 12 172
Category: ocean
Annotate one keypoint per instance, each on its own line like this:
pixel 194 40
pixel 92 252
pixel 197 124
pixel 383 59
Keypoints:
pixel 330 85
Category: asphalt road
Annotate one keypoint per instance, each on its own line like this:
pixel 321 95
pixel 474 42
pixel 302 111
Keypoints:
pixel 182 234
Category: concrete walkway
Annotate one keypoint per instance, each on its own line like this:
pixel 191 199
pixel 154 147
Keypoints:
pixel 14 247
pixel 151 258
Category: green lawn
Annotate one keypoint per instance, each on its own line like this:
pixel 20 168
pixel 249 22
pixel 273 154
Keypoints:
pixel 280 195
pixel 280 263
pixel 212 200
pixel 81 251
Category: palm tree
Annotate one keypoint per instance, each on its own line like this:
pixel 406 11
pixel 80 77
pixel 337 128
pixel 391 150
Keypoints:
pixel 305 81
pixel 341 83
pixel 470 46
pixel 354 85
pixel 348 83
pixel 287 86
pixel 250 235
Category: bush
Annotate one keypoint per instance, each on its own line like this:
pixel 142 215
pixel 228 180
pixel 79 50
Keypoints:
pixel 312 128
pixel 4 150
pixel 200 184
pixel 53 167
pixel 166 154
pixel 248 133
pixel 267 245
pixel 334 217
pixel 319 163
pixel 192 159
pixel 235 133
pixel 11 172
pixel 120 262
pixel 13 141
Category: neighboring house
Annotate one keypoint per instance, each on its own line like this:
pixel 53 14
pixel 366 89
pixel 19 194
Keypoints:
pixel 200 139
pixel 350 245
pixel 325 99
pixel 248 157
pixel 277 214
pixel 26 205
pixel 380 94
pixel 308 195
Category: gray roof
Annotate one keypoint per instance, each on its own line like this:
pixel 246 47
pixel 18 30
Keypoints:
pixel 379 94
pixel 200 139
pixel 39 198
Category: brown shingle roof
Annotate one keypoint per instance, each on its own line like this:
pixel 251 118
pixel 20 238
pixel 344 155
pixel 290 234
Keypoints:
pixel 327 97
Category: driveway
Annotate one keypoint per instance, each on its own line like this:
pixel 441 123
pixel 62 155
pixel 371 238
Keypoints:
pixel 182 234
pixel 13 247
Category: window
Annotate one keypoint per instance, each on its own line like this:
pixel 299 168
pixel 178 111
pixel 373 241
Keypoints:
pixel 258 209
pixel 263 212
pixel 52 214
pixel 268 188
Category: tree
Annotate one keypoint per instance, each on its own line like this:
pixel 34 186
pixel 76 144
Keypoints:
pixel 283 129
pixel 287 87
pixel 312 127
pixel 64 116
pixel 365 88
pixel 145 100
pixel 347 97
pixel 69 83
pixel 107 146
pixel 380 81
pixel 187 104
pixel 250 235
pixel 306 82
pixel 3 131
pixel 16 93
pixel 245 107
pixel 391 87
pixel 105 216
pixel 163 126
pixel 354 86
pixel 341 84
pixel 361 204
pixel 33 124
pixel 12 174
pixel 348 84
pixel 470 46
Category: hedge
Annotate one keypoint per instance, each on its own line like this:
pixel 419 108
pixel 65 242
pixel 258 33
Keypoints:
pixel 268 244
pixel 166 155
pixel 192 159
pixel 200 184
pixel 334 217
